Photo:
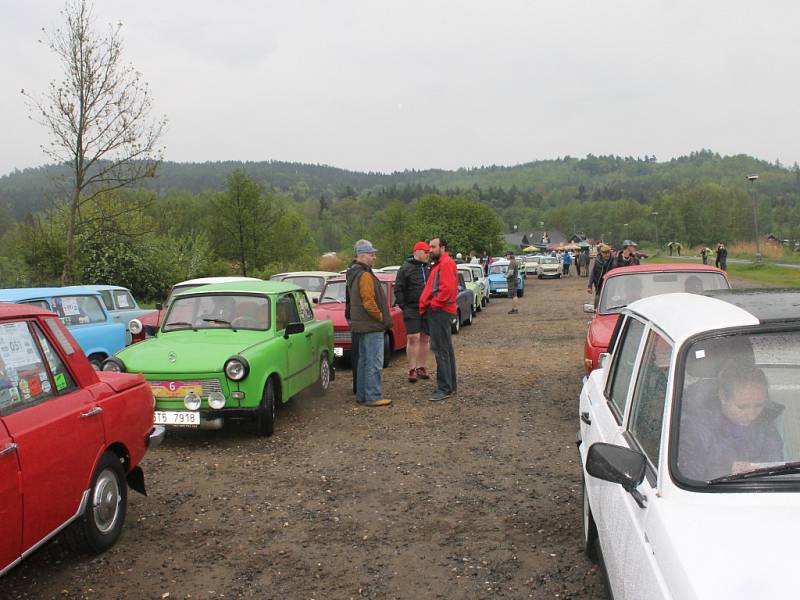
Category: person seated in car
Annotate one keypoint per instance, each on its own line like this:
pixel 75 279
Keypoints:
pixel 733 432
pixel 693 285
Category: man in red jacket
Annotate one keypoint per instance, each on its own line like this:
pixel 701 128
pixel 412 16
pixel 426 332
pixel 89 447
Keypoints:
pixel 438 305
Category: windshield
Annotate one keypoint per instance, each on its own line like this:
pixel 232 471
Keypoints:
pixel 334 291
pixel 467 274
pixel 216 311
pixel 309 283
pixel 549 260
pixel 740 406
pixel 79 310
pixel 621 290
pixel 498 269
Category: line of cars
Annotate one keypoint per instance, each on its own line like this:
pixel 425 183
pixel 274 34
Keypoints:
pixel 689 435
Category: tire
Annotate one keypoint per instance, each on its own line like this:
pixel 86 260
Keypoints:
pixel 265 419
pixel 456 327
pixel 96 360
pixel 589 527
pixel 323 376
pixel 471 316
pixel 387 350
pixel 559 275
pixel 100 525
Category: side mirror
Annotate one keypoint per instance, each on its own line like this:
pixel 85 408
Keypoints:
pixel 589 308
pixel 315 300
pixel 602 360
pixel 150 330
pixel 618 464
pixel 293 328
pixel 159 306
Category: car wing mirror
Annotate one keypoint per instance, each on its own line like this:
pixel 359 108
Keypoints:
pixel 589 308
pixel 150 330
pixel 294 328
pixel 618 464
pixel 159 306
pixel 315 300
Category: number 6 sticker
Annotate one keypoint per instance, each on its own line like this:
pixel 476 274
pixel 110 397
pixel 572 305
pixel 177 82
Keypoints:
pixel 172 386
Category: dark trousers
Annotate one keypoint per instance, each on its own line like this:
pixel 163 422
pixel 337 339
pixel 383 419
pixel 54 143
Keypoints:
pixel 442 347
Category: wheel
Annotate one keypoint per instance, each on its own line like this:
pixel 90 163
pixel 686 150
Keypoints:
pixel 324 376
pixel 101 523
pixel 387 350
pixel 265 420
pixel 471 316
pixel 456 326
pixel 559 275
pixel 589 526
pixel 96 360
pixel 520 292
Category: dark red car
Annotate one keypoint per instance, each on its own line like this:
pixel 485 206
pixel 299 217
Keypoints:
pixel 71 438
pixel 627 284
pixel 331 306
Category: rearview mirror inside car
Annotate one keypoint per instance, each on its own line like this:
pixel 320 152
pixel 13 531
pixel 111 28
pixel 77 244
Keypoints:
pixel 617 464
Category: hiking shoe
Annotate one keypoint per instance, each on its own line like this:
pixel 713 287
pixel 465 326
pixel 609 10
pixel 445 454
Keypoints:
pixel 513 311
pixel 381 402
pixel 412 376
pixel 422 373
pixel 439 395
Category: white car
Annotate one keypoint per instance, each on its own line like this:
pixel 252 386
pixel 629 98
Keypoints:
pixel 690 448
pixel 549 266
pixel 479 275
pixel 311 281
pixel 531 263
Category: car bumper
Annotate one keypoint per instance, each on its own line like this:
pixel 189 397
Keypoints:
pixel 156 436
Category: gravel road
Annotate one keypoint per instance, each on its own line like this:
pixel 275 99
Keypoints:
pixel 475 497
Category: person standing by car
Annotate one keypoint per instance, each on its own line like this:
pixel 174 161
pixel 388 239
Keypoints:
pixel 722 257
pixel 408 286
pixel 511 282
pixel 366 303
pixel 627 257
pixel 583 261
pixel 566 262
pixel 603 263
pixel 438 304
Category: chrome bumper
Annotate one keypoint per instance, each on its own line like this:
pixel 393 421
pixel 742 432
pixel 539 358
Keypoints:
pixel 156 436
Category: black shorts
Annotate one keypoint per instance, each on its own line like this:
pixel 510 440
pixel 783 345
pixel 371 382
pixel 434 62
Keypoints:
pixel 415 324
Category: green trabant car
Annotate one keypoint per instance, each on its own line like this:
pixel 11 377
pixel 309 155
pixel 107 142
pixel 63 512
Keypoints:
pixel 232 351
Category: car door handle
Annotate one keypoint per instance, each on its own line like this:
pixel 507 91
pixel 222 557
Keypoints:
pixel 309 334
pixel 8 449
pixel 585 418
pixel 95 411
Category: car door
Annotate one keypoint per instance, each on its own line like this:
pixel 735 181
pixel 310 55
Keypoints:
pixel 10 493
pixel 296 345
pixel 312 337
pixel 56 425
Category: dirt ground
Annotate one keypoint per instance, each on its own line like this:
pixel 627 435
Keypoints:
pixel 474 497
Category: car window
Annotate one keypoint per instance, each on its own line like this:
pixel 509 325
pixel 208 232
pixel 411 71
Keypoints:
pixel 108 300
pixel 285 312
pixel 739 406
pixel 24 379
pixel 549 260
pixel 498 269
pixel 123 300
pixel 309 283
pixel 55 330
pixel 79 310
pixel 303 307
pixel 467 273
pixel 461 283
pixel 215 311
pixel 62 379
pixel 334 291
pixel 621 290
pixel 650 395
pixel 622 366
pixel 39 303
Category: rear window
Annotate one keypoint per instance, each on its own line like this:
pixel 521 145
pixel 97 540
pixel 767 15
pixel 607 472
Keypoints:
pixel 123 300
pixel 621 290
pixel 79 310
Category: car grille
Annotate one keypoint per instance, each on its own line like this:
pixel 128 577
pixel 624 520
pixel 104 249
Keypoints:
pixel 342 336
pixel 209 385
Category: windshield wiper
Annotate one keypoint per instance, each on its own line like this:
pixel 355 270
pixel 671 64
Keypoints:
pixel 617 307
pixel 181 323
pixel 331 298
pixel 223 321
pixel 781 469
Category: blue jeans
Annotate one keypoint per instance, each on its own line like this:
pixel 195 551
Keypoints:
pixel 370 365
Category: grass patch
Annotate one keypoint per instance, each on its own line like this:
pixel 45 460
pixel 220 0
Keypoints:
pixel 763 274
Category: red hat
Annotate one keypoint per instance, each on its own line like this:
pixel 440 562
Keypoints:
pixel 422 246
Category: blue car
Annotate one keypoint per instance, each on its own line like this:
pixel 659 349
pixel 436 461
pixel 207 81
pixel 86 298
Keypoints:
pixel 82 311
pixel 497 279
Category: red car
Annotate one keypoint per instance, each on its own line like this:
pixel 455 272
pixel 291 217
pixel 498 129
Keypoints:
pixel 331 306
pixel 624 285
pixel 70 437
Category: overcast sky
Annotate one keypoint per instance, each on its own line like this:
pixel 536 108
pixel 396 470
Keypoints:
pixel 374 85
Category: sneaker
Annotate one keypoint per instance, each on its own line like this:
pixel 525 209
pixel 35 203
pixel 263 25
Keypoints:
pixel 422 373
pixel 439 395
pixel 360 401
pixel 381 402
pixel 412 376
pixel 513 311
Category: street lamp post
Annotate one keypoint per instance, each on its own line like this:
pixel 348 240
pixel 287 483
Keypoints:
pixel 658 244
pixel 752 179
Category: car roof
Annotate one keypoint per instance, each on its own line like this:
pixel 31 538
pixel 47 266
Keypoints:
pixel 245 287
pixel 101 287
pixel 765 304
pixel 210 280
pixel 11 311
pixel 308 274
pixel 16 294
pixel 499 261
pixel 663 267
pixel 681 315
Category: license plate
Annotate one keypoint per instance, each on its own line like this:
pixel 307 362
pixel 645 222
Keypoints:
pixel 504 290
pixel 180 418
pixel 175 389
pixel 338 351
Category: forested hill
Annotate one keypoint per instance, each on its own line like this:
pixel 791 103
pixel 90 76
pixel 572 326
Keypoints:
pixel 562 179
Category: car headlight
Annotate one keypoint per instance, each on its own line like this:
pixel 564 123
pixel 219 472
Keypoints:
pixel 135 326
pixel 191 401
pixel 114 365
pixel 216 400
pixel 236 368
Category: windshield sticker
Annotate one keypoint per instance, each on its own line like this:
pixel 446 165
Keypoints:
pixel 35 386
pixel 122 301
pixel 61 381
pixel 700 354
pixel 69 307
pixel 24 390
pixel 16 346
pixel 46 388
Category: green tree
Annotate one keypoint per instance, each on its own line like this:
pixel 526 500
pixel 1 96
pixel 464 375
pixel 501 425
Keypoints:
pixel 465 224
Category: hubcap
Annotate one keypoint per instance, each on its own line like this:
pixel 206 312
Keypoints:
pixel 105 501
pixel 324 374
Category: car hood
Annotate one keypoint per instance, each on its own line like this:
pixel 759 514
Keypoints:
pixel 152 318
pixel 600 330
pixel 497 278
pixel 732 546
pixel 331 311
pixel 203 351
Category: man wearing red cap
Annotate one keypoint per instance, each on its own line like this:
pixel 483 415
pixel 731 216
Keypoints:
pixel 408 286
pixel 438 305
